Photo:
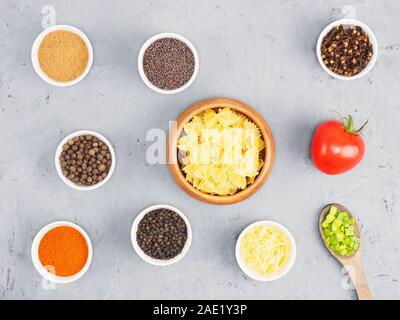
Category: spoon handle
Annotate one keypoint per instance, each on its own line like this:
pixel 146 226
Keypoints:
pixel 355 271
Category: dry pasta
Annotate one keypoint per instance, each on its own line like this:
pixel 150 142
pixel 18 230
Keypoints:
pixel 220 151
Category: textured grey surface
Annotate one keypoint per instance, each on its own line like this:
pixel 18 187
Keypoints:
pixel 261 52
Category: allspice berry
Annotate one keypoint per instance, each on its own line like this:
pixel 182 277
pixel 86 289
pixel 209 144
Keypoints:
pixel 83 162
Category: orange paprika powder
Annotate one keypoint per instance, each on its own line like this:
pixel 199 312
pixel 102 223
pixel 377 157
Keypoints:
pixel 63 250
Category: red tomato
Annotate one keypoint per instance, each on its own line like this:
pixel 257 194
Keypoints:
pixel 337 147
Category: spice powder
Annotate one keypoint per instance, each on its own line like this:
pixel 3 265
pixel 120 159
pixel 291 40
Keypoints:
pixel 63 56
pixel 63 251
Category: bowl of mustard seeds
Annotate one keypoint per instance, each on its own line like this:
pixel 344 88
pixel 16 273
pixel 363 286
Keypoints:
pixel 168 63
pixel 62 55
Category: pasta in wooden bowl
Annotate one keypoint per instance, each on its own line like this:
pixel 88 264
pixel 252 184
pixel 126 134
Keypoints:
pixel 221 151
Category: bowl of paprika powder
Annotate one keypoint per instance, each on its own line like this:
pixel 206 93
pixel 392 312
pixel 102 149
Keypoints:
pixel 62 252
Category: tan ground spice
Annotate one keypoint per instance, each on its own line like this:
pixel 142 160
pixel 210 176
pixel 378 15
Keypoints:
pixel 63 56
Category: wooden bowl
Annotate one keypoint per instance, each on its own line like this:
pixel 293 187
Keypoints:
pixel 186 116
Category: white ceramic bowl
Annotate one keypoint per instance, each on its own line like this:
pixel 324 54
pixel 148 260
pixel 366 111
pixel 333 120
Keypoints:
pixel 58 165
pixel 372 40
pixel 155 38
pixel 35 253
pixel 35 59
pixel 255 275
pixel 140 252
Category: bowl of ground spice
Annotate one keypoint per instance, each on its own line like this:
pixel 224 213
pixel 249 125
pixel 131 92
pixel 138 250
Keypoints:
pixel 347 49
pixel 85 160
pixel 62 252
pixel 161 235
pixel 62 55
pixel 168 63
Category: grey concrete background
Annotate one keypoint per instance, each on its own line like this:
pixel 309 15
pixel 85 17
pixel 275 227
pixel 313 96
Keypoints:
pixel 261 52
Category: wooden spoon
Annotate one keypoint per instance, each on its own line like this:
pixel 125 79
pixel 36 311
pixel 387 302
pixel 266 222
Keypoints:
pixel 353 265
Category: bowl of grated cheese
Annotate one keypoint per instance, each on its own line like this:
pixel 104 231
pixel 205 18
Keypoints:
pixel 265 250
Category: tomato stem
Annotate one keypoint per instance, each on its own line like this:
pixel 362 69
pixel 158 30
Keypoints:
pixel 348 125
pixel 362 127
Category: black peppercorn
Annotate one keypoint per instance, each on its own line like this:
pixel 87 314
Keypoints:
pixel 162 234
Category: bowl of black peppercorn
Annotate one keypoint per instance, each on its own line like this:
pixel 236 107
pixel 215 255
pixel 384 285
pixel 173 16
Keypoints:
pixel 161 235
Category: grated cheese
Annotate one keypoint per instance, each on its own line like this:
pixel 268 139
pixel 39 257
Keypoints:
pixel 265 249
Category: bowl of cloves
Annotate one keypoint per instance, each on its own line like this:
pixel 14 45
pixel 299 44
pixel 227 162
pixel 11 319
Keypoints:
pixel 347 49
pixel 85 160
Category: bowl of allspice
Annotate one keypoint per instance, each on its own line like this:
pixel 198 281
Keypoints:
pixel 85 160
pixel 347 49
